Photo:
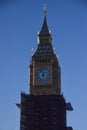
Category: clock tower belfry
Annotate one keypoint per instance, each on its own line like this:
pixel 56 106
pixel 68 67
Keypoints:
pixel 45 73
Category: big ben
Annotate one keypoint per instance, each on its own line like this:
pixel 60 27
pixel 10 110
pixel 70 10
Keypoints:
pixel 45 69
pixel 45 107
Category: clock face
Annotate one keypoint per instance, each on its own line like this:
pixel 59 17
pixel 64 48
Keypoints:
pixel 42 75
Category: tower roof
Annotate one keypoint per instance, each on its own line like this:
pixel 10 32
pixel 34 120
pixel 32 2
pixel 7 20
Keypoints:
pixel 44 30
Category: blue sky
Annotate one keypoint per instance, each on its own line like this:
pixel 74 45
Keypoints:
pixel 20 21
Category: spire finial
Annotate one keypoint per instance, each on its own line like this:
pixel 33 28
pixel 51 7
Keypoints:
pixel 44 9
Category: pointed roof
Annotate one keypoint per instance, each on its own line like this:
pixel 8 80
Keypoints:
pixel 44 30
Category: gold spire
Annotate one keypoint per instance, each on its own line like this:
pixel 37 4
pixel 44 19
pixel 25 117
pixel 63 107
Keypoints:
pixel 44 9
pixel 44 34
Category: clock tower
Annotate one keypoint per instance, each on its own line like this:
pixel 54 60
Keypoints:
pixel 45 107
pixel 44 67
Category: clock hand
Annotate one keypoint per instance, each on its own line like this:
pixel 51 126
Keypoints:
pixel 43 74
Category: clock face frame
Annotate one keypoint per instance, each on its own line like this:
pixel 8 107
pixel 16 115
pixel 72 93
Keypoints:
pixel 42 75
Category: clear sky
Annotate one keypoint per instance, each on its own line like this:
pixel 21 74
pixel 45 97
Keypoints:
pixel 20 22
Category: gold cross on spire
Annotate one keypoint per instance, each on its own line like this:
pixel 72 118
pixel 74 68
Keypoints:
pixel 45 9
